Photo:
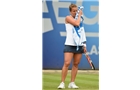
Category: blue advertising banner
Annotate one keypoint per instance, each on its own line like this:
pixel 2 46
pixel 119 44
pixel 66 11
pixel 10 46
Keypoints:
pixel 54 33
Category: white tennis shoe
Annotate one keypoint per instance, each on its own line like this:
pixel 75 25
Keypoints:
pixel 61 86
pixel 72 85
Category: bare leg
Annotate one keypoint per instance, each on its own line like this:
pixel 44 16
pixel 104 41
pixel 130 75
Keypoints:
pixel 77 58
pixel 67 60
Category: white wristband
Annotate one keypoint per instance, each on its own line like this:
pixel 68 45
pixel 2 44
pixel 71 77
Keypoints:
pixel 84 45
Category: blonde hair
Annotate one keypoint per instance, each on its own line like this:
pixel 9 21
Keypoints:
pixel 71 6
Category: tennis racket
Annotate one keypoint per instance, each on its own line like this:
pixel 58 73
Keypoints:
pixel 89 60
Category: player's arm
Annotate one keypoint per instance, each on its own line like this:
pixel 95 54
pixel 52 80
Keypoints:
pixel 84 47
pixel 71 20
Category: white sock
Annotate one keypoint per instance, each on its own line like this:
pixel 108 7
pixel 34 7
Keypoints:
pixel 62 82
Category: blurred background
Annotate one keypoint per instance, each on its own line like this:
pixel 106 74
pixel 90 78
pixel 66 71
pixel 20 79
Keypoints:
pixel 54 33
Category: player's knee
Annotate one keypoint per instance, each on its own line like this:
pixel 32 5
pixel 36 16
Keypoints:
pixel 67 64
pixel 76 64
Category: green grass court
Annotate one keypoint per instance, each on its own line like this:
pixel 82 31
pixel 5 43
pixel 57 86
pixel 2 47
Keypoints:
pixel 85 80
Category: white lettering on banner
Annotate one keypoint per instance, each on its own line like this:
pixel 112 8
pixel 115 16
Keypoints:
pixel 47 25
pixel 57 5
pixel 46 21
pixel 93 50
pixel 94 19
pixel 79 2
pixel 44 7
pixel 92 8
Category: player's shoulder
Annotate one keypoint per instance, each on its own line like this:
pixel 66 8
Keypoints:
pixel 68 16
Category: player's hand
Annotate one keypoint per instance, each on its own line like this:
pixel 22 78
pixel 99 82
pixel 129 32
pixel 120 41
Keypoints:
pixel 85 50
pixel 80 12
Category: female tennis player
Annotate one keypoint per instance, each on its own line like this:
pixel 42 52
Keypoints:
pixel 70 52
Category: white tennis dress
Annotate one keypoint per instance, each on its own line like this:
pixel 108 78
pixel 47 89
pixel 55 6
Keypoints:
pixel 69 39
